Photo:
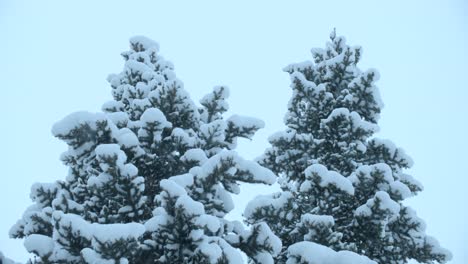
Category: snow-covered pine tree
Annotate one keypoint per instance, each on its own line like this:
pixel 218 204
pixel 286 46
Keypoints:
pixel 341 187
pixel 149 178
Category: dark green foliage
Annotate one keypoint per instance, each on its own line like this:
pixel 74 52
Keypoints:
pixel 331 119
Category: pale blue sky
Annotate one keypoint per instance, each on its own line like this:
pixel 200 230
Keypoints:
pixel 55 56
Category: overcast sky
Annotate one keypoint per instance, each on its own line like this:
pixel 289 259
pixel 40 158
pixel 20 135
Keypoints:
pixel 55 57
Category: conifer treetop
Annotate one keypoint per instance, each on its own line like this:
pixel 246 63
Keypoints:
pixel 342 187
pixel 150 178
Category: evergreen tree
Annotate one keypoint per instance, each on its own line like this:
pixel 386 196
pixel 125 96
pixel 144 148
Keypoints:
pixel 341 187
pixel 149 178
